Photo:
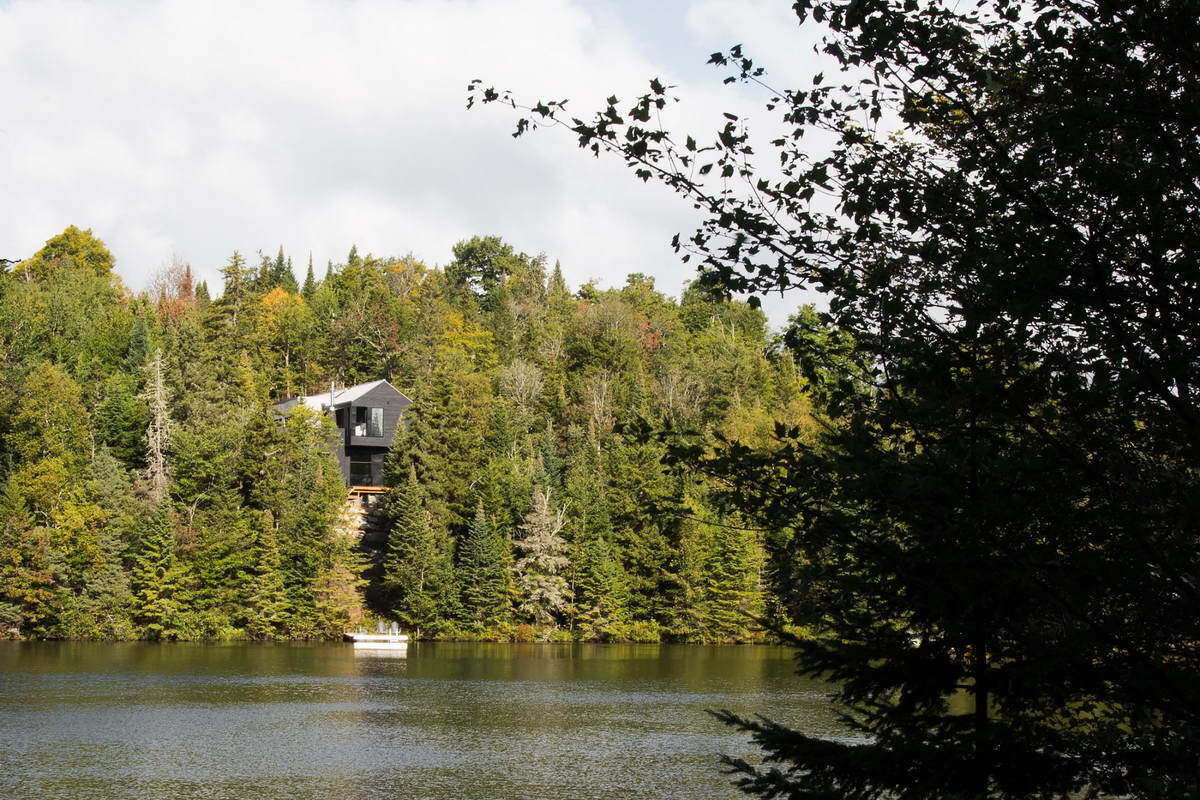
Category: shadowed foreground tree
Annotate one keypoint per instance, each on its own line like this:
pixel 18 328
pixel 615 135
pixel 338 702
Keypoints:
pixel 994 541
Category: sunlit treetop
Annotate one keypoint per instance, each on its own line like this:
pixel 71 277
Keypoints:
pixel 74 246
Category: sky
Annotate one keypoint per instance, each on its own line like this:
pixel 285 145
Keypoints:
pixel 187 130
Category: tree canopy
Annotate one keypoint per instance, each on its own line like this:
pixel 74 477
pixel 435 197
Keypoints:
pixel 991 546
pixel 150 489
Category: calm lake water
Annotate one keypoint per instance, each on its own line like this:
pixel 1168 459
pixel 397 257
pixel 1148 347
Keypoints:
pixel 322 722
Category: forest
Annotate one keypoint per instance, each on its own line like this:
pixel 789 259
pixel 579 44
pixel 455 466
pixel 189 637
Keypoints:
pixel 151 492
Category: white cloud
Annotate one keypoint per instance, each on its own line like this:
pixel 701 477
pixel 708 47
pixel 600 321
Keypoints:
pixel 188 128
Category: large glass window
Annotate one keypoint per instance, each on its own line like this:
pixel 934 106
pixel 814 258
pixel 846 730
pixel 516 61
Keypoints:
pixel 368 421
pixel 366 470
pixel 360 473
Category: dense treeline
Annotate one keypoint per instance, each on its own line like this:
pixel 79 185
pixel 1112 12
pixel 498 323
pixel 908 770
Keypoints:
pixel 150 491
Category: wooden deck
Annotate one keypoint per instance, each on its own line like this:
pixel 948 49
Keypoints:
pixel 353 490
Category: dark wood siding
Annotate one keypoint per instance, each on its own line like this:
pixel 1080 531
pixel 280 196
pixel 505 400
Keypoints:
pixel 393 404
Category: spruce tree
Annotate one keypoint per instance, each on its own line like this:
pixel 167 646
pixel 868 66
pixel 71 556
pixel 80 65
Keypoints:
pixel 598 579
pixel 483 574
pixel 310 282
pixel 139 345
pixel 267 606
pixel 156 578
pixel 731 599
pixel 280 274
pixel 601 588
pixel 540 571
pixel 418 570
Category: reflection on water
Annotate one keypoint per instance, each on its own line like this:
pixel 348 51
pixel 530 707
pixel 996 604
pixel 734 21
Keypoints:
pixel 364 651
pixel 437 720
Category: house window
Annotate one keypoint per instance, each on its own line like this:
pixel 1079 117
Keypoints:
pixel 368 421
pixel 360 473
pixel 366 470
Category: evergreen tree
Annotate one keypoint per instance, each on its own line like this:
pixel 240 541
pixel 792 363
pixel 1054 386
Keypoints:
pixel 599 582
pixel 280 274
pixel 481 265
pixel 268 609
pixel 180 393
pixel 122 419
pixel 419 569
pixel 601 588
pixel 156 578
pixel 731 601
pixel 483 574
pixel 541 585
pixel 310 282
pixel 237 277
pixel 139 345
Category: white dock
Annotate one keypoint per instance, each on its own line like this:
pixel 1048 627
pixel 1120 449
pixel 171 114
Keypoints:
pixel 378 641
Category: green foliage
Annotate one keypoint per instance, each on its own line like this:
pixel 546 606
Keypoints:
pixel 542 590
pixel 480 265
pixel 419 569
pixel 156 575
pixel 50 420
pixel 71 248
pixel 483 574
pixel 990 539
pixel 113 405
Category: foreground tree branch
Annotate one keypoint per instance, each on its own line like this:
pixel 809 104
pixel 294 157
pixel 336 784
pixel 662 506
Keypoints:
pixel 994 542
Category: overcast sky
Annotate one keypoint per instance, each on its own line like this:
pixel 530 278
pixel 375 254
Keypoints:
pixel 190 129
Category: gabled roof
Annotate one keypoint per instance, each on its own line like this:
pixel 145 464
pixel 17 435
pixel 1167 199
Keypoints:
pixel 341 397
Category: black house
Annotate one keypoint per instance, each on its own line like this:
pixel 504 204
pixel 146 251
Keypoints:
pixel 367 417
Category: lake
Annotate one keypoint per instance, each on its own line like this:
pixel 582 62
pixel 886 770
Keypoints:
pixel 444 720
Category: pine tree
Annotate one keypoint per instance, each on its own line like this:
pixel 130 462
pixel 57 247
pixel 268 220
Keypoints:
pixel 483 574
pixel 139 345
pixel 418 570
pixel 156 575
pixel 268 609
pixel 732 600
pixel 310 282
pixel 280 274
pixel 543 590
